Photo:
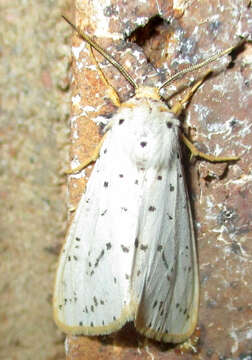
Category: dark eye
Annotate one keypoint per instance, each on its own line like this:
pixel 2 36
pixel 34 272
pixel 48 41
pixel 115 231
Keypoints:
pixel 169 124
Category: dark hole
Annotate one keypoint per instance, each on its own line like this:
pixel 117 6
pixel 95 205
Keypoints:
pixel 143 33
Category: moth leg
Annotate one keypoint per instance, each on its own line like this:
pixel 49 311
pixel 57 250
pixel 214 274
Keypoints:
pixel 195 152
pixel 89 160
pixel 179 106
pixel 112 92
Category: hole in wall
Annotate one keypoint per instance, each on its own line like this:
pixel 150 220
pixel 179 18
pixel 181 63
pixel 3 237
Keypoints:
pixel 152 38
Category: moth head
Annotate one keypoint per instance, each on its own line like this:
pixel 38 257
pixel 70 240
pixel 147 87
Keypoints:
pixel 147 92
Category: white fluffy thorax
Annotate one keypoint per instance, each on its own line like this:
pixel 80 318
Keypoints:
pixel 148 128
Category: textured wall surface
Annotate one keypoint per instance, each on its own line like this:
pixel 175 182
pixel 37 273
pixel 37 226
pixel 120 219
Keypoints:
pixel 34 110
pixel 170 35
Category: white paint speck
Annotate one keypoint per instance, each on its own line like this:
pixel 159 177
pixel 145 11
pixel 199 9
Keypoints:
pixel 76 99
pixel 78 49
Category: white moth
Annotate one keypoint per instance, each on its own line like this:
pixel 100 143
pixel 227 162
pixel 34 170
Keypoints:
pixel 130 253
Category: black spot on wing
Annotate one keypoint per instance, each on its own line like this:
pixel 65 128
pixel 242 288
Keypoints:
pixel 99 258
pixel 160 305
pixel 121 121
pixel 165 261
pixel 143 247
pixel 124 248
pixel 152 208
pixel 95 301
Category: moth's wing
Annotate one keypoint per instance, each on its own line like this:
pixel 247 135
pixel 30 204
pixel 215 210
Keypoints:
pixel 92 290
pixel 168 289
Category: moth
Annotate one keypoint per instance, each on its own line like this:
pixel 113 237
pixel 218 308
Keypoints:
pixel 130 252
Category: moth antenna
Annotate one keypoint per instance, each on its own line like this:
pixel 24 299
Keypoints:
pixel 108 57
pixel 201 64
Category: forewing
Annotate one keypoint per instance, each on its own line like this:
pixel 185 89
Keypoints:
pixel 168 288
pixel 92 291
